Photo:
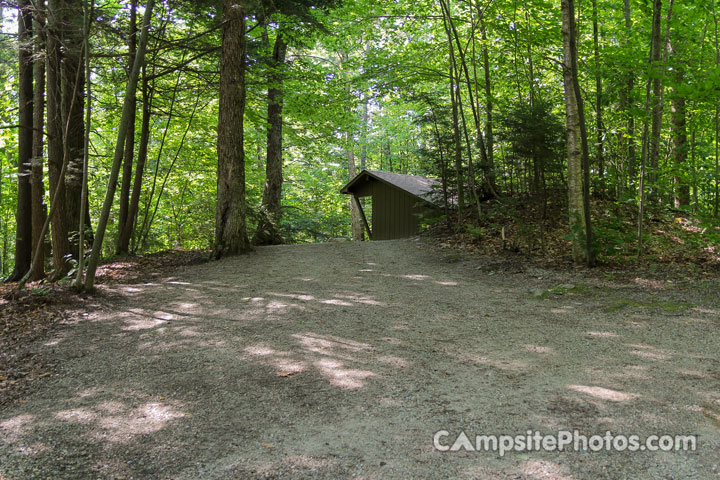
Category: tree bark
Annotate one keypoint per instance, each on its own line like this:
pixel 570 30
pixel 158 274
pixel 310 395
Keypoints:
pixel 73 108
pixel 230 216
pixel 680 148
pixel 129 154
pixel 627 138
pixel 600 142
pixel 657 102
pixel 60 243
pixel 364 134
pixel 84 197
pixel 459 181
pixel 578 198
pixel 267 230
pixel 489 133
pixel 717 117
pixel 23 213
pixel 39 209
pixel 357 227
pixel 129 228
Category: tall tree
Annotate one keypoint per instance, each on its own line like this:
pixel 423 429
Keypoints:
pixel 230 214
pixel 627 136
pixel 650 142
pixel 23 232
pixel 489 135
pixel 717 117
pixel 126 234
pixel 355 215
pixel 73 107
pixel 267 229
pixel 577 149
pixel 657 102
pixel 599 133
pixel 123 241
pixel 125 120
pixel 678 120
pixel 39 210
pixel 56 133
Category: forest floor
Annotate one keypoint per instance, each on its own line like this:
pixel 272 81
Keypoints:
pixel 342 360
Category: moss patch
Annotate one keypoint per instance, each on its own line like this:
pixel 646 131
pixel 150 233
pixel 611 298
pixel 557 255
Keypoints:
pixel 666 306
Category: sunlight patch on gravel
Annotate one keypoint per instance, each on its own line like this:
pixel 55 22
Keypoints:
pixel 543 469
pixel 79 415
pixel 340 376
pixel 537 348
pixel 651 355
pixel 15 427
pixel 604 393
pixel 259 350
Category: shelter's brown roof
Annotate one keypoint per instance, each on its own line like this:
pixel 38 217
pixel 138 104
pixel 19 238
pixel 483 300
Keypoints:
pixel 421 187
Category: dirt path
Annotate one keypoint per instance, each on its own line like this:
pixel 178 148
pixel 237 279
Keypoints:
pixel 342 360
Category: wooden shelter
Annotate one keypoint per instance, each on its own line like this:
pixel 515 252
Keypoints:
pixel 398 201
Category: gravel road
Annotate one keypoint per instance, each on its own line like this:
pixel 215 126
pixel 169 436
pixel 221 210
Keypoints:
pixel 342 360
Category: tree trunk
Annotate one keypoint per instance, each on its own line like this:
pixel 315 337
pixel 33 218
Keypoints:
pixel 84 197
pixel 55 129
pixel 459 182
pixel 717 118
pixel 267 229
pixel 657 102
pixel 129 154
pixel 489 134
pixel 679 130
pixel 364 135
pixel 39 209
pixel 628 138
pixel 357 227
pixel 129 228
pixel 600 145
pixel 23 214
pixel 576 141
pixel 119 146
pixel 230 217
pixel 73 107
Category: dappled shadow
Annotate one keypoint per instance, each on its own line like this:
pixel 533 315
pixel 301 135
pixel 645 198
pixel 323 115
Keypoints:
pixel 283 364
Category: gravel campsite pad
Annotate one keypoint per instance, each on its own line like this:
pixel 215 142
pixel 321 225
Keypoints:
pixel 343 360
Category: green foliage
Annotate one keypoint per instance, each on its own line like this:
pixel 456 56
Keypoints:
pixel 392 58
pixel 535 136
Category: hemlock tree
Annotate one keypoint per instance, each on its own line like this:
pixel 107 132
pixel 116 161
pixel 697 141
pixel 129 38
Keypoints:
pixel 230 214
pixel 23 232
pixel 267 228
